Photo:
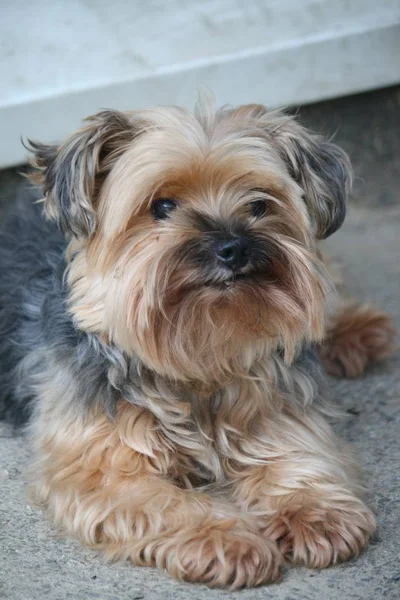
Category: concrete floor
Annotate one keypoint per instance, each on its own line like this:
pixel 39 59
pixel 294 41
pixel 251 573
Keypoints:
pixel 35 565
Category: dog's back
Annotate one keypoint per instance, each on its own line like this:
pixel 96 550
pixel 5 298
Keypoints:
pixel 30 251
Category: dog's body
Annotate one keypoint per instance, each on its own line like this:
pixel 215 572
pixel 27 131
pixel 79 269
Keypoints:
pixel 165 344
pixel 36 327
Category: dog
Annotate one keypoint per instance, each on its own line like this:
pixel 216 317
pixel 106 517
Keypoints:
pixel 162 326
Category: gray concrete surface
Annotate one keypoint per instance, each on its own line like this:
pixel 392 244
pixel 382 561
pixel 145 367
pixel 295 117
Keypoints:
pixel 35 564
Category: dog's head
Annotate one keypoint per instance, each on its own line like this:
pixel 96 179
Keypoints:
pixel 193 237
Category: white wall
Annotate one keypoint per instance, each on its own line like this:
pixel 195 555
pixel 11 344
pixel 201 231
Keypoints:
pixel 64 59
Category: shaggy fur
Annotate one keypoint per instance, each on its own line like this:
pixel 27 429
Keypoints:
pixel 174 402
pixel 356 337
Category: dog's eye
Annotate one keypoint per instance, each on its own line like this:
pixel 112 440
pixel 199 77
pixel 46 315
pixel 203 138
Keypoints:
pixel 162 208
pixel 258 208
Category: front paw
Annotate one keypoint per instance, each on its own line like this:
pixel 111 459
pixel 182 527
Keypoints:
pixel 320 536
pixel 218 556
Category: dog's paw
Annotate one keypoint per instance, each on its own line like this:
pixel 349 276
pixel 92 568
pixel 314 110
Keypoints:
pixel 357 336
pixel 220 557
pixel 317 537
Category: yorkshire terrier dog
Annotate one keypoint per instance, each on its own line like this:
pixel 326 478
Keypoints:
pixel 160 330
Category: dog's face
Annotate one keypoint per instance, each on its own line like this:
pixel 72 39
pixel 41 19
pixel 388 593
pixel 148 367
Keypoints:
pixel 194 237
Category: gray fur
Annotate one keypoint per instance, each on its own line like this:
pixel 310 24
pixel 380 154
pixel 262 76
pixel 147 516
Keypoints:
pixel 71 174
pixel 34 324
pixel 321 168
pixel 325 175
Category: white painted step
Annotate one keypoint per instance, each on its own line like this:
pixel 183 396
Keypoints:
pixel 61 60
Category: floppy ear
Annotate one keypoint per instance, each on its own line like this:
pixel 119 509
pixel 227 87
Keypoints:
pixel 321 168
pixel 71 174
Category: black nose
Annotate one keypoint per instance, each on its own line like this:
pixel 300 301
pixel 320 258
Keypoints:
pixel 233 252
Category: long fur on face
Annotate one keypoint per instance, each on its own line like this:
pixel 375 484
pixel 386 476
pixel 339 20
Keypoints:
pixel 152 287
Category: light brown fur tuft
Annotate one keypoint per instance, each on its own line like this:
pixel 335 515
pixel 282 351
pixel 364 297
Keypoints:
pixel 357 336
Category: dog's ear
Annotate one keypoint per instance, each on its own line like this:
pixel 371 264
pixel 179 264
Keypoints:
pixel 70 174
pixel 322 169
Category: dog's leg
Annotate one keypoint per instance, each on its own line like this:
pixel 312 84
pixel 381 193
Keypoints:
pixel 307 493
pixel 357 335
pixel 111 485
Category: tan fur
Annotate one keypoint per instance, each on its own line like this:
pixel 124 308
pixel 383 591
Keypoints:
pixel 357 336
pixel 216 475
pixel 308 494
pixel 107 274
pixel 125 487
